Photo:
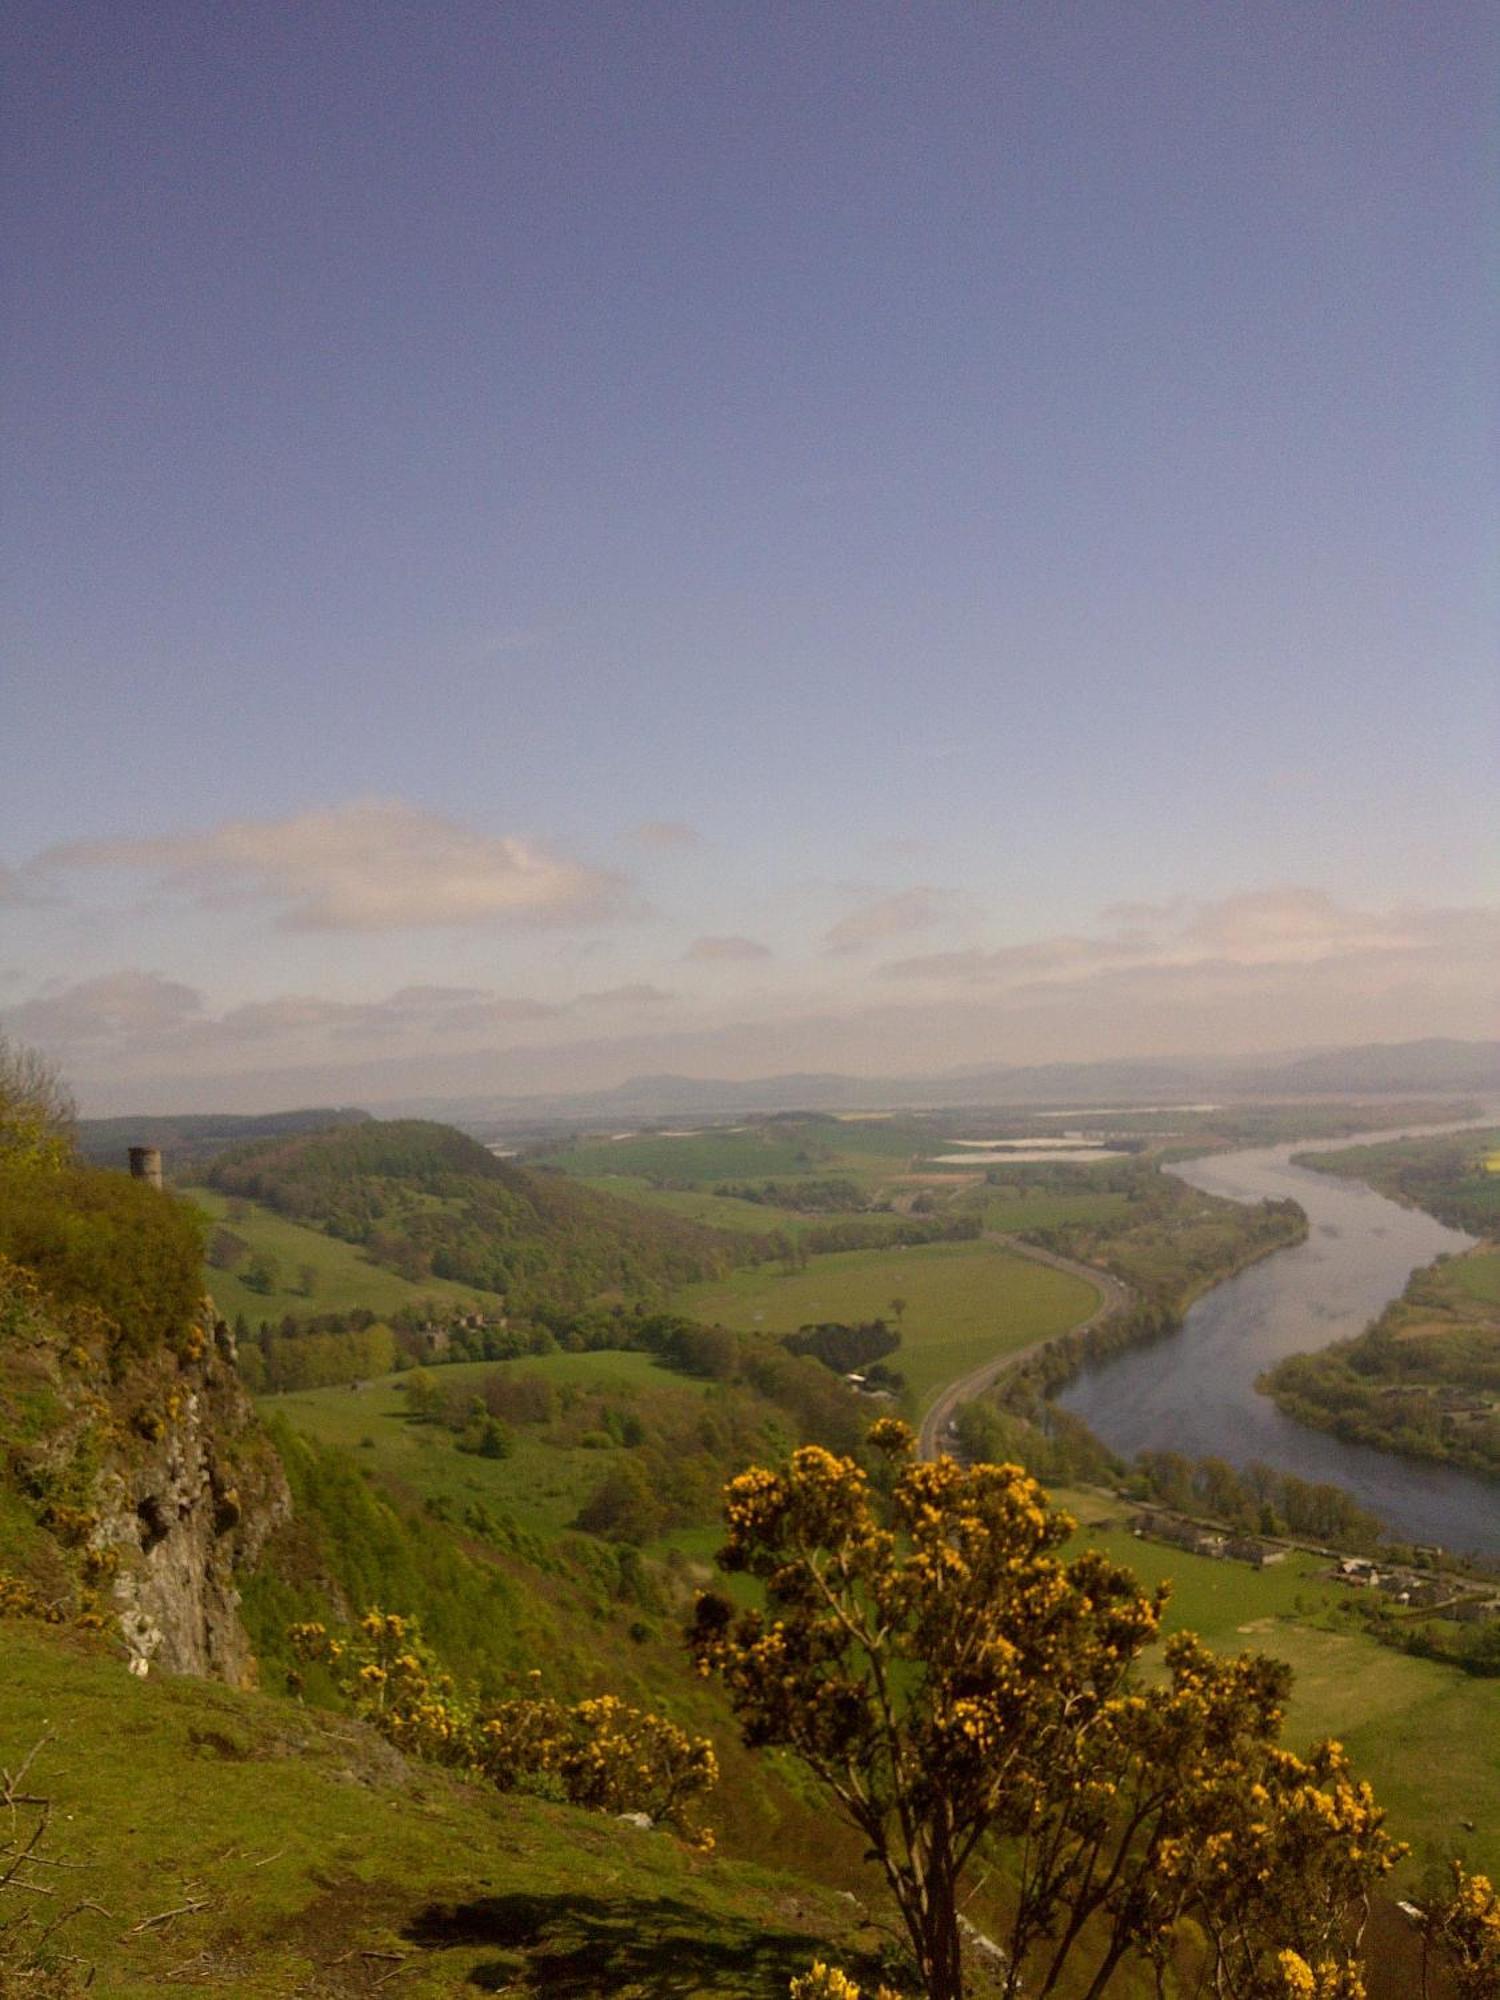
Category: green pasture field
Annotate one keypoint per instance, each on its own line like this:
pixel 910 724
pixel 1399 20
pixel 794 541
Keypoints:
pixel 345 1276
pixel 1426 1735
pixel 706 1156
pixel 964 1303
pixel 894 1140
pixel 717 1211
pixel 1476 1276
pixel 1016 1209
pixel 865 1151
pixel 541 1485
pixel 302 1855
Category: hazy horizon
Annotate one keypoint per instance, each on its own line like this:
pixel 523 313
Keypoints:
pixel 467 1086
pixel 551 543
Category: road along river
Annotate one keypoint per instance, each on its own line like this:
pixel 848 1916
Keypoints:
pixel 1195 1391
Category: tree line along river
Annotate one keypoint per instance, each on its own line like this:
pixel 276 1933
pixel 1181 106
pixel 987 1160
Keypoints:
pixel 1195 1393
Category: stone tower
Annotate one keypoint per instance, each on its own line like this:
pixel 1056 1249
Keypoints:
pixel 145 1164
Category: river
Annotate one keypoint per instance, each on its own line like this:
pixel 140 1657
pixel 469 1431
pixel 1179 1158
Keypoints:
pixel 1195 1391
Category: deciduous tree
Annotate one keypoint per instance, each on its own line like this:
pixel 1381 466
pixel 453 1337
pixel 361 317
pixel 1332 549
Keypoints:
pixel 36 1109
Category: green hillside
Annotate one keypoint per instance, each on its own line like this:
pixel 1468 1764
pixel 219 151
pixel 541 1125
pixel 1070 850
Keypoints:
pixel 548 1520
pixel 1427 1735
pixel 426 1201
pixel 240 1844
pixel 342 1274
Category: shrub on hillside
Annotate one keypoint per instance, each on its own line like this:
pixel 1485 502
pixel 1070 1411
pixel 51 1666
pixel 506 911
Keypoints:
pixel 600 1753
pixel 99 1238
pixel 959 1689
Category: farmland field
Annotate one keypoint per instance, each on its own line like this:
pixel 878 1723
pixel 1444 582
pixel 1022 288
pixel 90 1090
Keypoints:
pixel 717 1211
pixel 964 1302
pixel 1017 1208
pixel 864 1151
pixel 703 1156
pixel 1476 1276
pixel 1427 1735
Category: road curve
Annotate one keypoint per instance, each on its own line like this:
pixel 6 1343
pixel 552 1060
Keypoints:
pixel 1112 1297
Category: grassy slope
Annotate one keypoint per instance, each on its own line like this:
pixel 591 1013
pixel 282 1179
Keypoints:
pixel 309 1844
pixel 346 1277
pixel 964 1302
pixel 541 1485
pixel 1425 1735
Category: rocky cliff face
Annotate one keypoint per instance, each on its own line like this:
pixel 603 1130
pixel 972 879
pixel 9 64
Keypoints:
pixel 133 1500
pixel 180 1514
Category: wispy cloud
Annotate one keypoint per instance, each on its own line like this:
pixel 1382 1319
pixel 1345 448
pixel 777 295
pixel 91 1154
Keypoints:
pixel 1283 928
pixel 1274 969
pixel 625 999
pixel 118 1009
pixel 724 950
pixel 18 889
pixel 373 865
pixel 887 917
pixel 668 835
pixel 130 1013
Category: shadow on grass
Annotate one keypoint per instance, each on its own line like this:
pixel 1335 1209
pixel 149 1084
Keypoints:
pixel 586 1945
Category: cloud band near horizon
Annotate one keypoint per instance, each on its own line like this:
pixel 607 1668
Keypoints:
pixel 1274 969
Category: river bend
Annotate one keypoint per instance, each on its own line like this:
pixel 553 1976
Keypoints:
pixel 1195 1391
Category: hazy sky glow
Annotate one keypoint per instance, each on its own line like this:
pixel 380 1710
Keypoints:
pixel 543 541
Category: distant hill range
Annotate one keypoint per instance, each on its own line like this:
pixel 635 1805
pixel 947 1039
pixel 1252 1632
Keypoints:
pixel 1375 1069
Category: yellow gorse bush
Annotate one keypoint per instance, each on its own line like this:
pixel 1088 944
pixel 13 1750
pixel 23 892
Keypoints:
pixel 600 1753
pixel 827 1982
pixel 1464 1933
pixel 960 1687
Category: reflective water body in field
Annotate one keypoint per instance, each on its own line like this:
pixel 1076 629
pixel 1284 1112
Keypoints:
pixel 1195 1393
pixel 1019 1155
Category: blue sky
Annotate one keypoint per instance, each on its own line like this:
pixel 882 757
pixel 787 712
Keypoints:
pixel 990 511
